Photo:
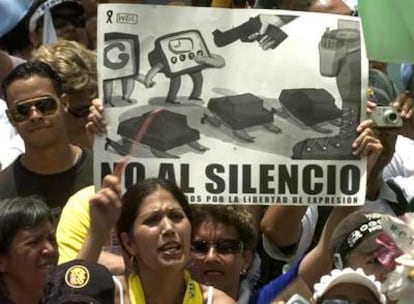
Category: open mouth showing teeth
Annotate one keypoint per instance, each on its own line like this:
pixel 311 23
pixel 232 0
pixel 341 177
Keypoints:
pixel 171 248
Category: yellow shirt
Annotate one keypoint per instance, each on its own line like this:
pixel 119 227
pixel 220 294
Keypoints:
pixel 73 224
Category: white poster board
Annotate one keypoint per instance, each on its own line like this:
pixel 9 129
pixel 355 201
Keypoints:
pixel 236 106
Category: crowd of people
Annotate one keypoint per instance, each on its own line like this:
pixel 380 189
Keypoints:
pixel 64 241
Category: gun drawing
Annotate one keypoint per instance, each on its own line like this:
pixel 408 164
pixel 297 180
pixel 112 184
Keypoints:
pixel 253 25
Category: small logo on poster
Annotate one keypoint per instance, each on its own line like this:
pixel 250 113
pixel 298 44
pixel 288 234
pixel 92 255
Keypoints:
pixel 127 18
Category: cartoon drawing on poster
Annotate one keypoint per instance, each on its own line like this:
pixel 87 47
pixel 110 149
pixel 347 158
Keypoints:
pixel 178 54
pixel 339 57
pixel 240 112
pixel 241 106
pixel 120 62
pixel 166 131
pixel 309 106
pixel 264 28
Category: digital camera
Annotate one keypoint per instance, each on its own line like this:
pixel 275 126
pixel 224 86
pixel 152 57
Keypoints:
pixel 386 117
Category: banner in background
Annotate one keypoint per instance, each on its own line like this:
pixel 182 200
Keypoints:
pixel 388 29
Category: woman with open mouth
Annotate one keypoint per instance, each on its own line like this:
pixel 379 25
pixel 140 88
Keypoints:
pixel 154 228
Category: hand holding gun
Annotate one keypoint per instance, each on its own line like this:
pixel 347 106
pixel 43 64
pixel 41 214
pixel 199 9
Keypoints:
pixel 263 28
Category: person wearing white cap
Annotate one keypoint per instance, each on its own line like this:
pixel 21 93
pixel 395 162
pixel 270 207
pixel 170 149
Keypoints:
pixel 348 286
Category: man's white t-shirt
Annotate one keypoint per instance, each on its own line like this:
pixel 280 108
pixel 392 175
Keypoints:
pixel 11 144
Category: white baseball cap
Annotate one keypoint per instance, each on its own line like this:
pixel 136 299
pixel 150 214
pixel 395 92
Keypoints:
pixel 348 275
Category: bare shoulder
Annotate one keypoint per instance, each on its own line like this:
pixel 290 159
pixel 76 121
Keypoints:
pixel 219 297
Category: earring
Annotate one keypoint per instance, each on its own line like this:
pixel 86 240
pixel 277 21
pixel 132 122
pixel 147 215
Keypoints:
pixel 133 259
pixel 243 272
pixel 133 263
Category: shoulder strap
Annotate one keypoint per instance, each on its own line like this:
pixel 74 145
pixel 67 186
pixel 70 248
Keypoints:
pixel 210 291
pixel 120 289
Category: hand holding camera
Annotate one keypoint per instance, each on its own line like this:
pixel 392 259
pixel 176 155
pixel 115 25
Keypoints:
pixel 386 117
pixel 383 116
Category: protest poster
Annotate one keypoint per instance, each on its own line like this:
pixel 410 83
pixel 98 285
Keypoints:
pixel 235 106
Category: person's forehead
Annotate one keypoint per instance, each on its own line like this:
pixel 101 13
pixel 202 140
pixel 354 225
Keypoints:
pixel 43 228
pixel 159 200
pixel 215 229
pixel 27 88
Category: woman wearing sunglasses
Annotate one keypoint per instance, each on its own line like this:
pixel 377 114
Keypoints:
pixel 223 254
pixel 222 248
pixel 154 228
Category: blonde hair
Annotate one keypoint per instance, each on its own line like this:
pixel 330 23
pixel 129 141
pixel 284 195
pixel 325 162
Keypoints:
pixel 74 63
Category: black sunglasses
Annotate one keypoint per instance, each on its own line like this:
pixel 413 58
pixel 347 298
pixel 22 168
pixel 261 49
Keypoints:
pixel 80 112
pixel 46 105
pixel 221 246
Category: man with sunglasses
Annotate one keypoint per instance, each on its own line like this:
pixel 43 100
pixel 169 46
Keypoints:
pixel 76 66
pixel 68 18
pixel 51 167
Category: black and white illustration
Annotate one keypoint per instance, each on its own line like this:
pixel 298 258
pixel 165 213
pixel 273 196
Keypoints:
pixel 240 112
pixel 339 57
pixel 166 130
pixel 179 54
pixel 237 106
pixel 265 28
pixel 120 63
